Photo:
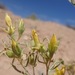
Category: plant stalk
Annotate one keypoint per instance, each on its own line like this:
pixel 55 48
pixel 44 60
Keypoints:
pixel 33 70
pixel 23 67
pixel 47 68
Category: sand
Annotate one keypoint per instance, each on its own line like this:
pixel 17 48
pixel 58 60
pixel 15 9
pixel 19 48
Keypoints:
pixel 66 36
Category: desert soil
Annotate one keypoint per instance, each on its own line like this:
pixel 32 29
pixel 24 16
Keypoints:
pixel 66 49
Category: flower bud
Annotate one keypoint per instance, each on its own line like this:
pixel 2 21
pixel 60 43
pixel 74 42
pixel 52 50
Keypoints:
pixel 53 40
pixel 53 44
pixel 8 20
pixel 14 43
pixel 35 38
pixel 10 30
pixel 15 48
pixel 21 28
pixel 32 60
pixel 63 70
pixel 60 71
pixel 10 53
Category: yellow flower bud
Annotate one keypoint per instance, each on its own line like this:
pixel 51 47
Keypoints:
pixel 53 40
pixel 54 74
pixel 53 44
pixel 58 71
pixel 33 32
pixel 8 20
pixel 63 70
pixel 35 38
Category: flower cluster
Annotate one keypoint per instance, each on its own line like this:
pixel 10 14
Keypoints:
pixel 38 50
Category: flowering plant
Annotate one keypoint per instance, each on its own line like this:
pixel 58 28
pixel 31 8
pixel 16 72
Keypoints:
pixel 37 50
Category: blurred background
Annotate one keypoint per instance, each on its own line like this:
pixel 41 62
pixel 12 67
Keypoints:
pixel 60 11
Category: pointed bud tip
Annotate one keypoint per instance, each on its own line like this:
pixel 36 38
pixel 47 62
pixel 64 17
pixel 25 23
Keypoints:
pixel 53 39
pixel 14 42
pixel 33 32
pixel 8 20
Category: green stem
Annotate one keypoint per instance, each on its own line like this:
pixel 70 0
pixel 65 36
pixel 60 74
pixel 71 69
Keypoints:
pixel 16 67
pixel 47 66
pixel 33 70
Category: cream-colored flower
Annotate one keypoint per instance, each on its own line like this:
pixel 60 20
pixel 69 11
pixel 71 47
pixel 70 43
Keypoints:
pixel 8 20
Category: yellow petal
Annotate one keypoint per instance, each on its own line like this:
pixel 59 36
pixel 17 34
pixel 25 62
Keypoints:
pixel 58 71
pixel 53 40
pixel 63 70
pixel 33 32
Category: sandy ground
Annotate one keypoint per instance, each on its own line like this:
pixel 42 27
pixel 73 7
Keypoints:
pixel 66 49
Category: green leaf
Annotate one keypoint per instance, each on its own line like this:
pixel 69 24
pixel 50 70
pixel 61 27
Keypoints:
pixel 56 64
